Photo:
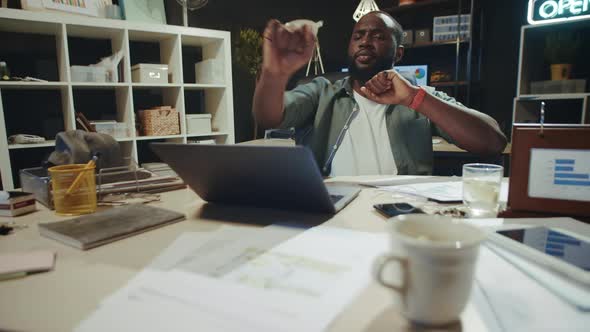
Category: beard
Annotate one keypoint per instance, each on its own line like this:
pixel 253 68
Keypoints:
pixel 364 74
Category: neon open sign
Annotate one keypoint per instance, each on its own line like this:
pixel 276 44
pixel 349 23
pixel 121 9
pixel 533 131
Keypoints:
pixel 544 11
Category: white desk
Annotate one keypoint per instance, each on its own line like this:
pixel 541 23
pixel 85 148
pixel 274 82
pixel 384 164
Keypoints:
pixel 58 300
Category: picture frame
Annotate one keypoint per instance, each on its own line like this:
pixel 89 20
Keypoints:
pixel 542 180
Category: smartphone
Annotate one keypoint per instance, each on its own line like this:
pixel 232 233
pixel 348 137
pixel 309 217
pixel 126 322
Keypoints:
pixel 567 254
pixel 395 209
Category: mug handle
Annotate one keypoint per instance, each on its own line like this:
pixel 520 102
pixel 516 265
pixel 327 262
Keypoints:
pixel 380 264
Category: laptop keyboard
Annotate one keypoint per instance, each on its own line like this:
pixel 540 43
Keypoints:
pixel 336 198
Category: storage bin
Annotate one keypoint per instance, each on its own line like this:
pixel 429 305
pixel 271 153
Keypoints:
pixel 159 121
pixel 113 128
pixel 209 71
pixel 149 73
pixel 198 123
pixel 88 74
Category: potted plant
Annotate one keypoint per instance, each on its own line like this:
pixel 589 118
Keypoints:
pixel 247 58
pixel 560 50
pixel 248 51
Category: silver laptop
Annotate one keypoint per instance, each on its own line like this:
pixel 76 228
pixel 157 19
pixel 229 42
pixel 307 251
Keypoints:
pixel 282 177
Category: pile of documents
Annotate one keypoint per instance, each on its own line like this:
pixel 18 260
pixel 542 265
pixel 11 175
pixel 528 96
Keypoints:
pixel 287 279
pixel 270 279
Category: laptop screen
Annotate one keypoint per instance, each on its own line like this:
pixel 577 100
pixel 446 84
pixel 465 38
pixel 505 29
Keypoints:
pixel 420 72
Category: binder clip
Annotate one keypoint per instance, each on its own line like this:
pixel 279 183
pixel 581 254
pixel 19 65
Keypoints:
pixel 542 118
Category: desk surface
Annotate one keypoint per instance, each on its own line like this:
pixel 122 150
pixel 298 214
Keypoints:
pixel 58 300
pixel 439 144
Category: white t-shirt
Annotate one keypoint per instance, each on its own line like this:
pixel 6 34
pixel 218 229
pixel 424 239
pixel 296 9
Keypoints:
pixel 365 147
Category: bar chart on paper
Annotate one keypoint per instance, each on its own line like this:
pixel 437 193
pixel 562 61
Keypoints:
pixel 560 174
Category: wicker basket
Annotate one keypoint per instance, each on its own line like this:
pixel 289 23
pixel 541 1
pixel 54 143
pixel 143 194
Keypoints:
pixel 159 121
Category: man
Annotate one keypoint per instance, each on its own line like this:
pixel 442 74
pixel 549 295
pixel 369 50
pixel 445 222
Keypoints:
pixel 373 122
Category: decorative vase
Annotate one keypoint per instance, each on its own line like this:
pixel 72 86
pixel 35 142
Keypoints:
pixel 561 71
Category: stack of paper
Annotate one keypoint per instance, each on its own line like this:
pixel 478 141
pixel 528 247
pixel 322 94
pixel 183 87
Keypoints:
pixel 450 191
pixel 227 282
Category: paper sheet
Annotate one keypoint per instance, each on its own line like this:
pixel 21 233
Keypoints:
pixel 451 191
pixel 301 284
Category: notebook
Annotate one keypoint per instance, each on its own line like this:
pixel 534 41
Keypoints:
pixel 280 177
pixel 18 264
pixel 107 226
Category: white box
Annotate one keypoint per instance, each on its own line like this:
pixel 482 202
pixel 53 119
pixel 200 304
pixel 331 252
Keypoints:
pixel 198 123
pixel 149 73
pixel 209 71
pixel 17 203
pixel 113 128
pixel 89 74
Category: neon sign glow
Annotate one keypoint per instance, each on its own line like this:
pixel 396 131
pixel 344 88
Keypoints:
pixel 545 11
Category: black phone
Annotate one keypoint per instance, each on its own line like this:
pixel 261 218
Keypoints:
pixel 395 209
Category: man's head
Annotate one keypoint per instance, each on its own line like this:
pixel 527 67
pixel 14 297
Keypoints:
pixel 375 45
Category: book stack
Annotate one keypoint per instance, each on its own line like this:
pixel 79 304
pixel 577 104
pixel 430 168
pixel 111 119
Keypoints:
pixel 447 28
pixel 15 203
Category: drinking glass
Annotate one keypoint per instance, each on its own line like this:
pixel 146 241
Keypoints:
pixel 481 189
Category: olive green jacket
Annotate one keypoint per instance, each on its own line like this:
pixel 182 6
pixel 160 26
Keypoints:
pixel 329 108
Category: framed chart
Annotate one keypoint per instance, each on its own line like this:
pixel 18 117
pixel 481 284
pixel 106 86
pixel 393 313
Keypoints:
pixel 550 169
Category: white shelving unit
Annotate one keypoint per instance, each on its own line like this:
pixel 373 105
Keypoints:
pixel 178 47
pixel 568 108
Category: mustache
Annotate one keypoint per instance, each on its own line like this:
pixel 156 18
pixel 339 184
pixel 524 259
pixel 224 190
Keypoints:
pixel 365 52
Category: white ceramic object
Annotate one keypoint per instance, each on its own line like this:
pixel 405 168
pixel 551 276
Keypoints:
pixel 298 24
pixel 437 261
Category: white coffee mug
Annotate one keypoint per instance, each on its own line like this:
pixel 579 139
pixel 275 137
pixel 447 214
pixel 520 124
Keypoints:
pixel 437 268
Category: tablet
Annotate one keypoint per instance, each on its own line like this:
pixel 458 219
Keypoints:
pixel 567 254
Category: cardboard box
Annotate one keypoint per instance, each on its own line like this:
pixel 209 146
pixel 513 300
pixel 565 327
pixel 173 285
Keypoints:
pixel 198 123
pixel 15 203
pixel 407 37
pixel 422 36
pixel 149 73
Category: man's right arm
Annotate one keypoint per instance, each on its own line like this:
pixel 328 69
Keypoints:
pixel 284 51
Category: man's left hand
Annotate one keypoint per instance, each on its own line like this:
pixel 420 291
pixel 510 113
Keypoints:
pixel 389 87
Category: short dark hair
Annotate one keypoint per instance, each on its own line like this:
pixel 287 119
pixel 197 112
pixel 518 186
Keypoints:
pixel 397 29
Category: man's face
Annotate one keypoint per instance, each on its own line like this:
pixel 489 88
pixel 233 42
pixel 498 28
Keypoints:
pixel 371 48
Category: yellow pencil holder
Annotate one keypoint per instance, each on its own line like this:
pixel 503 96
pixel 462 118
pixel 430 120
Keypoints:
pixel 81 199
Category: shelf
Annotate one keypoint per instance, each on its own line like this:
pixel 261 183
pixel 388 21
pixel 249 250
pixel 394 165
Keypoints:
pixel 67 40
pixel 433 44
pixel 214 133
pixel 32 85
pixel 151 86
pixel 556 96
pixel 94 85
pixel 147 138
pixel 448 84
pixel 418 5
pixel 198 86
pixel 31 146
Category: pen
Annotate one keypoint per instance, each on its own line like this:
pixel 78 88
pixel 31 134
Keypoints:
pixel 78 179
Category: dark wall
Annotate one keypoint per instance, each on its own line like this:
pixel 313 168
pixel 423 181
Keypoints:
pixel 502 22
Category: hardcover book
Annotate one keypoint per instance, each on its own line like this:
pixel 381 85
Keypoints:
pixel 107 226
